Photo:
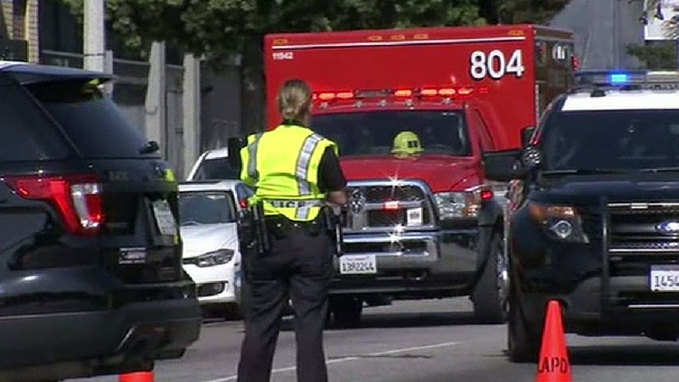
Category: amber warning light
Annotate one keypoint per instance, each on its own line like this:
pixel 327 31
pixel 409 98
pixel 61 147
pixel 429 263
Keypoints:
pixel 423 93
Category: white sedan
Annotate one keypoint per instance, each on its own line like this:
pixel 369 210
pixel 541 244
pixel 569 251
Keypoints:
pixel 208 223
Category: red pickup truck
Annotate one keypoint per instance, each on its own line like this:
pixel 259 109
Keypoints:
pixel 412 111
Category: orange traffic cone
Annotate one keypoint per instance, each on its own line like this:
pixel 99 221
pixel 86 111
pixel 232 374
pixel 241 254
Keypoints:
pixel 142 376
pixel 553 364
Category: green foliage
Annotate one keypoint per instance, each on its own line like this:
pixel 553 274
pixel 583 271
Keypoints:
pixel 520 11
pixel 660 55
pixel 216 28
pixel 529 11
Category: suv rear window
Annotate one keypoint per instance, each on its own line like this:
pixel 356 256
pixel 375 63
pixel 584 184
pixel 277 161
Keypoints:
pixel 27 133
pixel 91 120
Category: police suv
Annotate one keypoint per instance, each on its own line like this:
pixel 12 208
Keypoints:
pixel 91 278
pixel 593 213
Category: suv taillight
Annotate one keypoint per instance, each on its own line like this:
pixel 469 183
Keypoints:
pixel 76 197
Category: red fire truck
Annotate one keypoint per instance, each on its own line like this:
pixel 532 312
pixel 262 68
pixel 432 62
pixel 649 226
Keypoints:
pixel 424 224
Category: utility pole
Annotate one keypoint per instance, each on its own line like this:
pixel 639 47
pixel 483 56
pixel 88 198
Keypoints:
pixel 191 111
pixel 94 36
pixel 156 105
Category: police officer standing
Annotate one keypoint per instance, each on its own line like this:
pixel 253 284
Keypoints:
pixel 295 173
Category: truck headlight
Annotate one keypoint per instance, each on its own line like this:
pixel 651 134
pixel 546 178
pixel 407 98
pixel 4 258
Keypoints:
pixel 211 259
pixel 559 222
pixel 457 205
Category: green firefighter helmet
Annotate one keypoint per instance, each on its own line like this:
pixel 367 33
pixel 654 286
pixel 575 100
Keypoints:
pixel 406 143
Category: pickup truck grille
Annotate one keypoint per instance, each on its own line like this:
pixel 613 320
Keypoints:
pixel 386 205
pixel 643 228
pixel 406 193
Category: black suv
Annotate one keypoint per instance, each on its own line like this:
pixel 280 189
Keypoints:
pixel 90 259
pixel 594 215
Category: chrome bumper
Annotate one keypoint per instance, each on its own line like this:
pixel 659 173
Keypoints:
pixel 440 259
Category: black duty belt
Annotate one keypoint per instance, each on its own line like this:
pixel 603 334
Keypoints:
pixel 280 226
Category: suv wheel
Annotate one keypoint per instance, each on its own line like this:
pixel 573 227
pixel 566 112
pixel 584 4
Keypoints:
pixel 523 342
pixel 492 289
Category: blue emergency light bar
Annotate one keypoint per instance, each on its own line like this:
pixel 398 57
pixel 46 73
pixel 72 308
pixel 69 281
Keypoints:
pixel 618 78
pixel 637 78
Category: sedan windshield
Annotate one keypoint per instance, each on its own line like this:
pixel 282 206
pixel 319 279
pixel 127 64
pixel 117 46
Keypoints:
pixel 373 133
pixel 206 207
pixel 611 140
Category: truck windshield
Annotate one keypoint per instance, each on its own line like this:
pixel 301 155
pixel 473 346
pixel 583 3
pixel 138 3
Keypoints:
pixel 374 133
pixel 611 140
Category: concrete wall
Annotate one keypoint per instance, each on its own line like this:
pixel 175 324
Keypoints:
pixel 31 33
pixel 220 105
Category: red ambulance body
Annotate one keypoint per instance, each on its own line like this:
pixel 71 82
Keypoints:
pixel 426 224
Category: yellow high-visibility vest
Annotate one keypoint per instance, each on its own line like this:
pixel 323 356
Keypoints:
pixel 282 165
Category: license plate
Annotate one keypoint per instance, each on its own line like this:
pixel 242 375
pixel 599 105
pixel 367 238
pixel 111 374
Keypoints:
pixel 132 256
pixel 358 264
pixel 164 218
pixel 414 216
pixel 664 278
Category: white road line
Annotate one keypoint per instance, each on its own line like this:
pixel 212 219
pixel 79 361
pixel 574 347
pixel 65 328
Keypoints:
pixel 352 358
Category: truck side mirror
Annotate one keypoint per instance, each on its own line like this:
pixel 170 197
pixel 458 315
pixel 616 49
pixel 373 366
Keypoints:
pixel 234 145
pixel 526 134
pixel 504 165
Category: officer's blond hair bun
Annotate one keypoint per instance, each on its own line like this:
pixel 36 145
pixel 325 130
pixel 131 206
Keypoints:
pixel 294 100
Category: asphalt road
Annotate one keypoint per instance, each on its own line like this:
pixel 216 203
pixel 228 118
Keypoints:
pixel 422 341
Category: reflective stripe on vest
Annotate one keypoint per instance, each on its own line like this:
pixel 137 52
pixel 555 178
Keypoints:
pixel 294 203
pixel 303 162
pixel 303 212
pixel 252 160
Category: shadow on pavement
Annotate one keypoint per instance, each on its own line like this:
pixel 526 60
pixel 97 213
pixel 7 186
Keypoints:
pixel 401 320
pixel 642 355
pixel 409 320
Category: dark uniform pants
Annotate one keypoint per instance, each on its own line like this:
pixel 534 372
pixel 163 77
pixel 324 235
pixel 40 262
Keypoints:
pixel 299 267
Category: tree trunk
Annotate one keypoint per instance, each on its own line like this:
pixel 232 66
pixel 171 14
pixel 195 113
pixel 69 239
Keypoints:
pixel 253 90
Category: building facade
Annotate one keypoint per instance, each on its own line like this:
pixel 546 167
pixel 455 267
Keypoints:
pixel 19 30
